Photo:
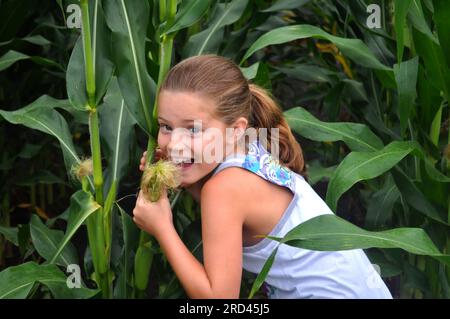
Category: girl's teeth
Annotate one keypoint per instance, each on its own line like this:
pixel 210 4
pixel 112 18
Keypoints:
pixel 179 162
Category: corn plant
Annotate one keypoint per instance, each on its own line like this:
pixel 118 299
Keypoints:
pixel 110 93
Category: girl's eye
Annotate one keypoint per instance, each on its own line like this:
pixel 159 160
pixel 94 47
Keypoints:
pixel 164 128
pixel 194 130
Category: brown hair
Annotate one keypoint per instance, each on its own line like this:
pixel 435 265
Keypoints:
pixel 222 81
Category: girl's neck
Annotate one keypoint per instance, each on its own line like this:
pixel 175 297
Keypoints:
pixel 196 188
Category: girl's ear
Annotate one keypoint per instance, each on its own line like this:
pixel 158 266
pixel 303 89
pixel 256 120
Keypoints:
pixel 239 126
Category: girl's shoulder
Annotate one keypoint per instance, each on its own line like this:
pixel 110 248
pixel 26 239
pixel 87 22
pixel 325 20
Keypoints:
pixel 223 201
pixel 257 202
pixel 237 188
pixel 260 162
pixel 233 182
pixel 256 181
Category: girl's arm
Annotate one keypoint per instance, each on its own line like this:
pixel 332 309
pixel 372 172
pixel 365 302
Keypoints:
pixel 222 220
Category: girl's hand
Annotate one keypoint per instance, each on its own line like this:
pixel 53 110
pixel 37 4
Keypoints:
pixel 142 162
pixel 158 155
pixel 154 217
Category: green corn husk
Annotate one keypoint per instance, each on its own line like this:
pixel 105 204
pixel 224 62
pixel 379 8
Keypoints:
pixel 157 176
pixel 144 260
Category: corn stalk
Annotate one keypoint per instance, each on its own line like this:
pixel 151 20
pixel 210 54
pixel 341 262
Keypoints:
pixel 144 254
pixel 95 223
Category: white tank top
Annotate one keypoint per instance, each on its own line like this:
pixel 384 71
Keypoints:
pixel 297 272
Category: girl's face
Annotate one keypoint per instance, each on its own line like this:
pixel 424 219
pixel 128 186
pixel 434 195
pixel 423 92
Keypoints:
pixel 188 132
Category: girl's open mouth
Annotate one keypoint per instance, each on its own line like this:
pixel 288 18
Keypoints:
pixel 186 163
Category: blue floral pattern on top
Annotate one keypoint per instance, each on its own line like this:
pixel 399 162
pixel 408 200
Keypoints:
pixel 268 290
pixel 261 162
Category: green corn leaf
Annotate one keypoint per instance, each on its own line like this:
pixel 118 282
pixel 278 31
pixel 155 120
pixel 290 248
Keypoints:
pixel 36 39
pixel 11 234
pixel 441 18
pixel 128 21
pixel 11 57
pixel 414 197
pixel 436 68
pixel 101 55
pixel 117 134
pixel 285 5
pixel 435 128
pixel 358 166
pixel 251 71
pixel 357 136
pixel 82 205
pixel 418 20
pixel 259 74
pixel 40 115
pixel 433 173
pixel 190 12
pixel 308 73
pixel 355 49
pixel 381 203
pixel 130 243
pixel 331 233
pixel 316 172
pixel 46 242
pixel 401 11
pixel 40 177
pixel 16 282
pixel 406 78
pixel 207 41
pixel 263 273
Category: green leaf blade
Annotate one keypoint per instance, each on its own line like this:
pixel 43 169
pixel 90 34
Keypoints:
pixel 358 166
pixel 355 49
pixel 357 136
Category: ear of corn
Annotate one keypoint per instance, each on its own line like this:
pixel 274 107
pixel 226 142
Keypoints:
pixel 156 177
pixel 162 174
pixel 144 258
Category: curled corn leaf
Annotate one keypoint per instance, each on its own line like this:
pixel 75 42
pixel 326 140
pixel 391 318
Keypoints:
pixel 157 176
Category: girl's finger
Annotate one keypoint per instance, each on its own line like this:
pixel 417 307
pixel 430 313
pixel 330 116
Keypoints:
pixel 142 161
pixel 142 164
pixel 140 197
pixel 159 154
pixel 164 192
pixel 142 200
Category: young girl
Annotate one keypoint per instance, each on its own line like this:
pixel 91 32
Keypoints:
pixel 246 193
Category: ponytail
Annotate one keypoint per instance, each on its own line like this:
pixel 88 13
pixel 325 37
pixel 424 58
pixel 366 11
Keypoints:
pixel 267 114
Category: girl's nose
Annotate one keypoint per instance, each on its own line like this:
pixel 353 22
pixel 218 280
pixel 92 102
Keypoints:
pixel 179 145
